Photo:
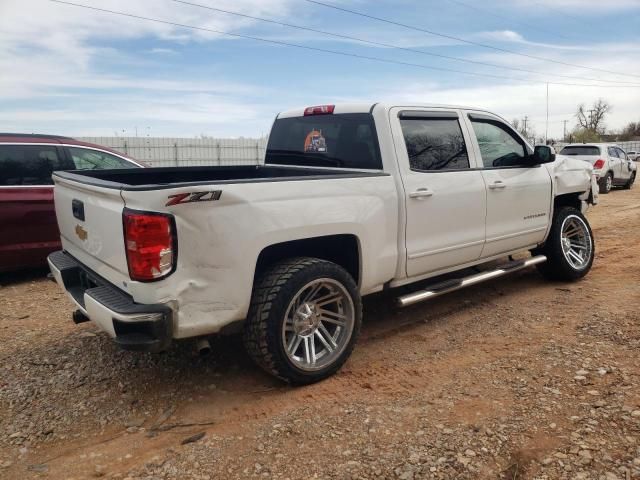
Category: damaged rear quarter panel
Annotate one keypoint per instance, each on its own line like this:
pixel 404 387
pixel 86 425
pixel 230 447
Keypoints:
pixel 219 241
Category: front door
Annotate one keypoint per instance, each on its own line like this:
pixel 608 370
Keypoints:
pixel 444 196
pixel 518 196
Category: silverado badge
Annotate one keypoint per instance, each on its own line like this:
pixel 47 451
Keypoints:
pixel 81 233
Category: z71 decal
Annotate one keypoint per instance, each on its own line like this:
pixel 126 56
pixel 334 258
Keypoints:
pixel 193 197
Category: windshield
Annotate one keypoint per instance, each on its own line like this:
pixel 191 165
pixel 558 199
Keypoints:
pixel 580 150
pixel 345 140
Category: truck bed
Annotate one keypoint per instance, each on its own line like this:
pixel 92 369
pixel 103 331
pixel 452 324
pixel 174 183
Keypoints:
pixel 172 177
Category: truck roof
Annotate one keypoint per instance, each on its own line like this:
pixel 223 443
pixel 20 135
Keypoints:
pixel 367 107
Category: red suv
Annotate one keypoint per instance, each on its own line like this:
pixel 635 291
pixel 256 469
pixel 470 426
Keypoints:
pixel 28 227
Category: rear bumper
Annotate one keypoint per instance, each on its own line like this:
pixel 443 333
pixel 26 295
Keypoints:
pixel 134 326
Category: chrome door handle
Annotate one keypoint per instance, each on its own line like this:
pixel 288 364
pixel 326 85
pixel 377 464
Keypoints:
pixel 421 193
pixel 497 184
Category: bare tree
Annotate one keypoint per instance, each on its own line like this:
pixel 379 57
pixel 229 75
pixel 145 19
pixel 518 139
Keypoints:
pixel 630 132
pixel 593 119
pixel 524 127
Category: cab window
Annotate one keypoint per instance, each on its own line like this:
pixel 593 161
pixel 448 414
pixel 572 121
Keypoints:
pixel 434 143
pixel 499 145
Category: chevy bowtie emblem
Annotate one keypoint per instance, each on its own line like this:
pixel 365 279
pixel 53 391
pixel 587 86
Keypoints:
pixel 81 233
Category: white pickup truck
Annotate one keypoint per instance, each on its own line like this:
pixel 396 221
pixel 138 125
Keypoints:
pixel 352 199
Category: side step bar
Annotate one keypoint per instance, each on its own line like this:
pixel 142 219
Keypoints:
pixel 459 283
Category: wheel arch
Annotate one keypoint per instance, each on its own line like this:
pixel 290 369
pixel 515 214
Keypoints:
pixel 567 200
pixel 341 249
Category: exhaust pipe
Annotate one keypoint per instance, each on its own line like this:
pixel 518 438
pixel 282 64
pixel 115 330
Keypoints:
pixel 203 346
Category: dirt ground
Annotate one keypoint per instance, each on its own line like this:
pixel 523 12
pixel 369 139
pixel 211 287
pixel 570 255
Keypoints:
pixel 517 378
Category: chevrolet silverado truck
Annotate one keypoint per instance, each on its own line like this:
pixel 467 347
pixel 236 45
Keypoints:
pixel 352 199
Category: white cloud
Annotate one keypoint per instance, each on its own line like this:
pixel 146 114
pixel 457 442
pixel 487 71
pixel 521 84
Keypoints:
pixel 55 52
pixel 56 46
pixel 578 7
pixel 516 101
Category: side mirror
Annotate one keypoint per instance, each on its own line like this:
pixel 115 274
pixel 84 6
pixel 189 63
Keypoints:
pixel 543 154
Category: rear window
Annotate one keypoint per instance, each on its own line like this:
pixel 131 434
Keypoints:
pixel 435 144
pixel 580 150
pixel 30 164
pixel 86 159
pixel 345 140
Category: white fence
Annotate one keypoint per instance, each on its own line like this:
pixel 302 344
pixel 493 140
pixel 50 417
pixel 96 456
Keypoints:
pixel 169 152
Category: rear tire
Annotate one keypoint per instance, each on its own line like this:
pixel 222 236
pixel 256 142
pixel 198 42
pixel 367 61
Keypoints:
pixel 631 181
pixel 570 248
pixel 606 183
pixel 304 319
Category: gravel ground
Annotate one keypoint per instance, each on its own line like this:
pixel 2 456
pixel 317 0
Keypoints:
pixel 515 379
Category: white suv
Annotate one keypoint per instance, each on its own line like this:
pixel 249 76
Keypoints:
pixel 611 165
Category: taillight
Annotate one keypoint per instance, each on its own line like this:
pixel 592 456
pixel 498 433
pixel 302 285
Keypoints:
pixel 599 164
pixel 319 110
pixel 149 240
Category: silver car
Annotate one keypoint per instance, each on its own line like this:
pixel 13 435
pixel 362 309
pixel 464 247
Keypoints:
pixel 611 165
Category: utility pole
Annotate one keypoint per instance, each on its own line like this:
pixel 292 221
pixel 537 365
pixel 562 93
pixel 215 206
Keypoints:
pixel 564 131
pixel 546 128
pixel 526 119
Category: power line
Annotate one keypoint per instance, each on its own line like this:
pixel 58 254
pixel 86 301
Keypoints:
pixel 493 13
pixel 323 50
pixel 387 45
pixel 469 42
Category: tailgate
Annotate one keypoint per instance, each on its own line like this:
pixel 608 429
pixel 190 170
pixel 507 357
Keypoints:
pixel 90 222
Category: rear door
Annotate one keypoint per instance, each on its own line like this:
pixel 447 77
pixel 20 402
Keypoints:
pixel 518 196
pixel 444 195
pixel 615 163
pixel 625 165
pixel 28 229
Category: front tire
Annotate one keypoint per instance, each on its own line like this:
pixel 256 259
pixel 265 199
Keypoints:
pixel 304 319
pixel 570 247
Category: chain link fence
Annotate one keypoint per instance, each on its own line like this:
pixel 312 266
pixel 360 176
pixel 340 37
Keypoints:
pixel 172 152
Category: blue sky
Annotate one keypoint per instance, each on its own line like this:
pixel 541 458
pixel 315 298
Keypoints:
pixel 73 71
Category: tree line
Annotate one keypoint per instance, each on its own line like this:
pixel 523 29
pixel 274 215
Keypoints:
pixel 590 125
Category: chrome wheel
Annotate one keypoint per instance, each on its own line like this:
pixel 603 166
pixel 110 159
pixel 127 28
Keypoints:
pixel 318 324
pixel 609 181
pixel 577 246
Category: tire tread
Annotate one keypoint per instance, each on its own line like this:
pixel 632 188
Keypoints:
pixel 268 287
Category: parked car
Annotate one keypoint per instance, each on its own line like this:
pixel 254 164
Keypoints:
pixel 286 250
pixel 28 228
pixel 633 155
pixel 610 163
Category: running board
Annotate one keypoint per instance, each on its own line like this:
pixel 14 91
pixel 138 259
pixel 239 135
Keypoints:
pixel 459 283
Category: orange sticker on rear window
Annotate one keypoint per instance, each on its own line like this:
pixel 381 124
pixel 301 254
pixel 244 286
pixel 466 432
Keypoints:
pixel 315 142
